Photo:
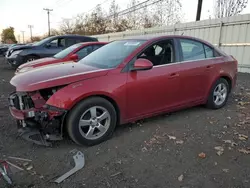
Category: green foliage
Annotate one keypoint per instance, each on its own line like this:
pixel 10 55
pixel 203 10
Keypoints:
pixel 8 35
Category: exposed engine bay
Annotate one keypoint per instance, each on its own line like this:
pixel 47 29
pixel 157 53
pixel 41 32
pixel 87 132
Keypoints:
pixel 37 121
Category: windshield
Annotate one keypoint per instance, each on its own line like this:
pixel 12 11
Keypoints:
pixel 112 54
pixel 42 41
pixel 67 51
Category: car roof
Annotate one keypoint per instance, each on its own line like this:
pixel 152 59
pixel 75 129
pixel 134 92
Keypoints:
pixel 89 43
pixel 155 38
pixel 73 36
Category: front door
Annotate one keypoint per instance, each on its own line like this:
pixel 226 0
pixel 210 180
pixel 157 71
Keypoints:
pixel 150 91
pixel 53 47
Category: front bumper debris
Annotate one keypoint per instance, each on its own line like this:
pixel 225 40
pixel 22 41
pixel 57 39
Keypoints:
pixel 37 122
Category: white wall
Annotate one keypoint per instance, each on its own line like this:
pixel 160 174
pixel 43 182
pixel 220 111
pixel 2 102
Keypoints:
pixel 232 33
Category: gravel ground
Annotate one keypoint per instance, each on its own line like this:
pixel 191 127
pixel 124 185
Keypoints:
pixel 143 154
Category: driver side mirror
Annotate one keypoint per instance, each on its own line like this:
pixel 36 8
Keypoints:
pixel 74 57
pixel 142 64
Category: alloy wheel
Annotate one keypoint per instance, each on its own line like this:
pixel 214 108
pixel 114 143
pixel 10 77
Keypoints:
pixel 220 94
pixel 94 122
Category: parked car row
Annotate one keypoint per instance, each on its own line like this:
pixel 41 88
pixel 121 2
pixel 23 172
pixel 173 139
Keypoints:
pixel 47 47
pixel 120 82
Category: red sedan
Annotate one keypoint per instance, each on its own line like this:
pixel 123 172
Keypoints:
pixel 73 53
pixel 124 81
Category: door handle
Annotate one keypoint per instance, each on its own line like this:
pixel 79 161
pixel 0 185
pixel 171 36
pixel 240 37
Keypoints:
pixel 209 67
pixel 173 75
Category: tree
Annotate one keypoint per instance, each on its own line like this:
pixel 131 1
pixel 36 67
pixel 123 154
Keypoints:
pixel 167 12
pixel 36 38
pixel 54 32
pixel 67 26
pixel 133 15
pixel 226 8
pixel 8 35
pixel 146 20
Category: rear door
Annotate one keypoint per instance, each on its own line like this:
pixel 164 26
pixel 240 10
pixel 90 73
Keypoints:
pixel 197 63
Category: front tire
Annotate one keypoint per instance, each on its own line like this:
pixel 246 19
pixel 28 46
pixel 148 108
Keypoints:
pixel 92 121
pixel 30 58
pixel 218 94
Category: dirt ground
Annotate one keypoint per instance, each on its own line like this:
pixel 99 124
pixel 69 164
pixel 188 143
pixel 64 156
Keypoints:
pixel 142 154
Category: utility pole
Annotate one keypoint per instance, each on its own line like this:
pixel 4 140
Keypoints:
pixel 198 15
pixel 48 12
pixel 30 26
pixel 23 35
pixel 19 41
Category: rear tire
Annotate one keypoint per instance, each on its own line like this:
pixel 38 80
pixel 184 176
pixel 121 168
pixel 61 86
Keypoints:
pixel 92 121
pixel 218 95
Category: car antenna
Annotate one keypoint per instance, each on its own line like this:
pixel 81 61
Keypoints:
pixel 182 33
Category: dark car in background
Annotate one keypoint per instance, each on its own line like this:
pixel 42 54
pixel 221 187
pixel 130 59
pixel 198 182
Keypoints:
pixel 44 48
pixel 5 47
pixel 71 54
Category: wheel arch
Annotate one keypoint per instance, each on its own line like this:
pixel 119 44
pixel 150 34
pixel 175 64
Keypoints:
pixel 108 98
pixel 229 81
pixel 32 54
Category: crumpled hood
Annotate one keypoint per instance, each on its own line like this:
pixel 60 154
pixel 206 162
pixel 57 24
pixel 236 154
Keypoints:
pixel 38 62
pixel 54 75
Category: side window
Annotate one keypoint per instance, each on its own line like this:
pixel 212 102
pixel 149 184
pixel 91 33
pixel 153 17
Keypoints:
pixel 62 42
pixel 84 52
pixel 54 43
pixel 70 42
pixel 209 51
pixel 160 53
pixel 192 50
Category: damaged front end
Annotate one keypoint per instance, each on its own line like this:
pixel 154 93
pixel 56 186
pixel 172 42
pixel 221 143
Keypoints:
pixel 37 121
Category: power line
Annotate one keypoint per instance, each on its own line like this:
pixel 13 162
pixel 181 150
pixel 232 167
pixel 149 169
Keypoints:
pixel 128 10
pixel 99 4
pixel 132 7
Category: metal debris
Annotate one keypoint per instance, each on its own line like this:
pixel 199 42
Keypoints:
pixel 15 166
pixel 20 159
pixel 79 164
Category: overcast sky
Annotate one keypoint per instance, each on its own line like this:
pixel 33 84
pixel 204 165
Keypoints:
pixel 21 13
